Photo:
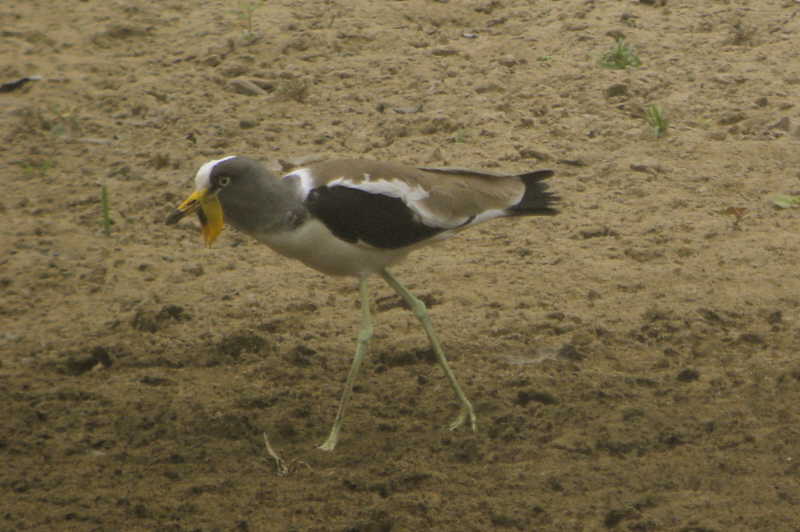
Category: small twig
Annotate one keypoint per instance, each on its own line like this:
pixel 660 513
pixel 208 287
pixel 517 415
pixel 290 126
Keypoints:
pixel 280 465
pixel 738 214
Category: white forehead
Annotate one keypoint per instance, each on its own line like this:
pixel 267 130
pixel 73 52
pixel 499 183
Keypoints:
pixel 203 177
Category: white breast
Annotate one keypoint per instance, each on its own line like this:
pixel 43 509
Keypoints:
pixel 314 245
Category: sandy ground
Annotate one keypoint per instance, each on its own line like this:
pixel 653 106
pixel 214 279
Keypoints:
pixel 633 361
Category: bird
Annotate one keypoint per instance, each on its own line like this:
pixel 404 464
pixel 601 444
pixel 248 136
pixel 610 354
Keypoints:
pixel 356 218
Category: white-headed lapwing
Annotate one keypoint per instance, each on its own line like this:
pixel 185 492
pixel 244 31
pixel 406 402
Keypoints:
pixel 357 218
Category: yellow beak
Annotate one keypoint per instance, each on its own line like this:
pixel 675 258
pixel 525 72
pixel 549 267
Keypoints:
pixel 209 211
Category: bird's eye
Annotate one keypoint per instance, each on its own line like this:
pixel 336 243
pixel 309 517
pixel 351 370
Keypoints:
pixel 224 181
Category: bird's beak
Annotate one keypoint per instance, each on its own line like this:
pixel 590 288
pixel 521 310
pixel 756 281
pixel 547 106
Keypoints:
pixel 208 209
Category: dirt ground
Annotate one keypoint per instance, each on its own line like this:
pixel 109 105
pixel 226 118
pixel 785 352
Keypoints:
pixel 633 361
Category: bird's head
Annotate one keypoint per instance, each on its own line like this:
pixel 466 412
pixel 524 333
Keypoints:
pixel 221 176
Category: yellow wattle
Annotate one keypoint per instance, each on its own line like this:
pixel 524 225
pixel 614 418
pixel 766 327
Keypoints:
pixel 214 221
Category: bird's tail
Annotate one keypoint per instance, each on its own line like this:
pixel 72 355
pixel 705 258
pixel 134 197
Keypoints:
pixel 537 200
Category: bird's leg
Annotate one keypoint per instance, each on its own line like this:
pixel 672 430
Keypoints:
pixel 419 310
pixel 364 334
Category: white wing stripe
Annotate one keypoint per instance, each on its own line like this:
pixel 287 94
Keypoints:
pixel 394 188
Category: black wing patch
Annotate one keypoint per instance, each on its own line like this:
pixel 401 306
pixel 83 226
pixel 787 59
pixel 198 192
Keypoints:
pixel 375 219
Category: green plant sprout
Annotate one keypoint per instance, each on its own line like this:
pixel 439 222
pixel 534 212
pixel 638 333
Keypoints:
pixel 658 122
pixel 33 168
pixel 786 201
pixel 620 57
pixel 65 122
pixel 245 15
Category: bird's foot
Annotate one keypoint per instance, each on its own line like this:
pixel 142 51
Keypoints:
pixel 329 444
pixel 281 468
pixel 466 413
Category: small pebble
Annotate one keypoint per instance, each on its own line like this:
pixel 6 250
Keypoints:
pixel 246 87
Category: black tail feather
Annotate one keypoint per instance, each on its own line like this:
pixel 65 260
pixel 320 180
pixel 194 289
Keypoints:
pixel 537 200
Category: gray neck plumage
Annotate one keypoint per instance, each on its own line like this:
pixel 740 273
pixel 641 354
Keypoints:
pixel 262 204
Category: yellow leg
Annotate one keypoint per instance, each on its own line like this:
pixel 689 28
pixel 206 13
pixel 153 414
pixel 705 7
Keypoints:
pixel 364 335
pixel 419 310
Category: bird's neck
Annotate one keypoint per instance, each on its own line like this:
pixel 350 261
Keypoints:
pixel 264 206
